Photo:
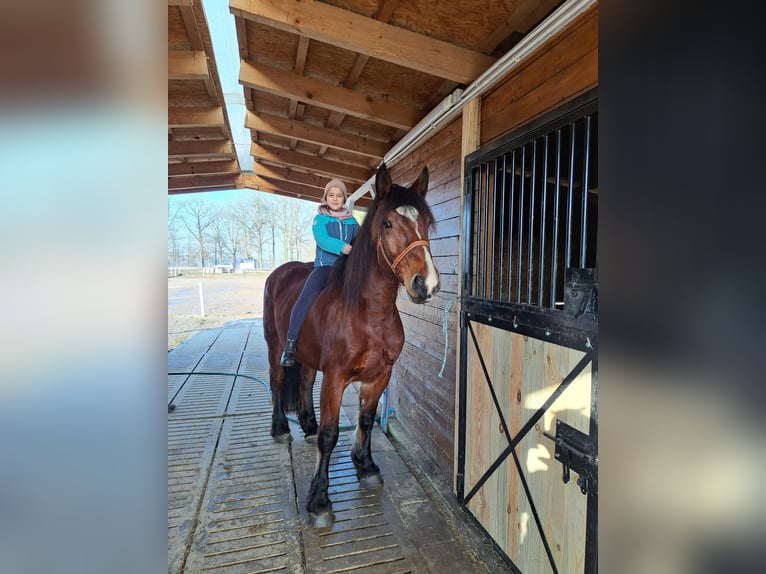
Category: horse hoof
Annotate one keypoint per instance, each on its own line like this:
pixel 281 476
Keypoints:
pixel 311 438
pixel 371 481
pixel 283 438
pixel 322 520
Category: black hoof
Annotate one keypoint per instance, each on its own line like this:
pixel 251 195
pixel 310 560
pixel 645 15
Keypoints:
pixel 371 481
pixel 322 519
pixel 283 438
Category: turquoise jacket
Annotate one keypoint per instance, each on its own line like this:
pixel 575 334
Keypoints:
pixel 331 234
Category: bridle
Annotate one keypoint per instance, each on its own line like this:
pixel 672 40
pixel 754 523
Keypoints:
pixel 403 254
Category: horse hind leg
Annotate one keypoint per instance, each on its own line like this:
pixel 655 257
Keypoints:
pixel 367 471
pixel 306 415
pixel 286 398
pixel 280 428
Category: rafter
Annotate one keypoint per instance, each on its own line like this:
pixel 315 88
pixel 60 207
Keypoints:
pixel 187 65
pixel 314 92
pixel 320 135
pixel 348 173
pixel 289 174
pixel 203 168
pixel 196 117
pixel 200 149
pixel 351 31
pixel 182 184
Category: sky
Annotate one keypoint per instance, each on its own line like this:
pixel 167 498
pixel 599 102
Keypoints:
pixel 224 36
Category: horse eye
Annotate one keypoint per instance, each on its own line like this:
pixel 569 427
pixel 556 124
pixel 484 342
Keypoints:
pixel 387 224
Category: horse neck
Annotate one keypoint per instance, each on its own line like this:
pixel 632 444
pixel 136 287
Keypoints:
pixel 381 287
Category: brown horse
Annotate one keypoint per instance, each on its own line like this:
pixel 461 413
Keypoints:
pixel 352 331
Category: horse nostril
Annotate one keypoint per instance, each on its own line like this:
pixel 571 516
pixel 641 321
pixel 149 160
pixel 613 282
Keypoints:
pixel 419 285
pixel 437 288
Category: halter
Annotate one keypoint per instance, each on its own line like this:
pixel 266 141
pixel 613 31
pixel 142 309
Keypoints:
pixel 403 254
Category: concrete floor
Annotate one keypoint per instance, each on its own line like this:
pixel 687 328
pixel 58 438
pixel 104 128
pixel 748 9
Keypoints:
pixel 236 498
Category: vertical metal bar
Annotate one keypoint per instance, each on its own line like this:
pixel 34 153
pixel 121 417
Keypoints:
pixel 584 214
pixel 502 220
pixel 570 197
pixel 555 249
pixel 483 235
pixel 531 221
pixel 491 216
pixel 468 225
pixel 475 227
pixel 543 208
pixel 512 263
pixel 520 234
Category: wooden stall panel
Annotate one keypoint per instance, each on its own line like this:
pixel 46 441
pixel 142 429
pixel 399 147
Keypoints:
pixel 524 373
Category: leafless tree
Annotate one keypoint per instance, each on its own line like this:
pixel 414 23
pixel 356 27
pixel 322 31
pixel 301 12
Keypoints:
pixel 197 216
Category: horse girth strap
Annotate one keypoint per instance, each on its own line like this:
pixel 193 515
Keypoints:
pixel 403 254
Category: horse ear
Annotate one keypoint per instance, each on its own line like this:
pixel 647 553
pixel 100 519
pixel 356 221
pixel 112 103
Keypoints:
pixel 421 185
pixel 382 182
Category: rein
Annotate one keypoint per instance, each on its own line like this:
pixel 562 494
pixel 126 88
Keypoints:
pixel 403 254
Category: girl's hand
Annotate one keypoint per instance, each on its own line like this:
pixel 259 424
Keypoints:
pixel 346 249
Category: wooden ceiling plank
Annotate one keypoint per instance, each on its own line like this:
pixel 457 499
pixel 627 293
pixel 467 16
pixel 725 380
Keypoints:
pixel 336 118
pixel 192 30
pixel 348 173
pixel 198 181
pixel 258 183
pixel 289 174
pixel 351 31
pixel 200 149
pixel 203 168
pixel 314 92
pixel 187 65
pixel 196 117
pixel 316 134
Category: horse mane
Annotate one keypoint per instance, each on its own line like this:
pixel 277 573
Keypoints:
pixel 350 273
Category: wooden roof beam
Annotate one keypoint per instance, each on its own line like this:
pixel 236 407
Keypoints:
pixel 196 117
pixel 187 65
pixel 200 149
pixel 351 31
pixel 296 189
pixel 320 135
pixel 314 92
pixel 182 184
pixel 289 174
pixel 203 168
pixel 312 163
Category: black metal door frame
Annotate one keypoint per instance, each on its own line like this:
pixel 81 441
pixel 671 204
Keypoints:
pixel 569 327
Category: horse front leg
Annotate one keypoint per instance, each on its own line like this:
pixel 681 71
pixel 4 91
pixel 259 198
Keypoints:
pixel 318 504
pixel 367 471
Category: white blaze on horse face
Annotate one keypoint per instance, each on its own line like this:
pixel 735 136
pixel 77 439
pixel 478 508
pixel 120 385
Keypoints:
pixel 432 277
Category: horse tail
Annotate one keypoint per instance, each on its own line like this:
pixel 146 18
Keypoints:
pixel 291 389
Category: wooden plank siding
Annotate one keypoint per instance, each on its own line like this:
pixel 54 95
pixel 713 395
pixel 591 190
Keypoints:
pixel 425 402
pixel 524 372
pixel 563 68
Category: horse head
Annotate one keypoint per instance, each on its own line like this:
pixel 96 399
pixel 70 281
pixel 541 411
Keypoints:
pixel 401 223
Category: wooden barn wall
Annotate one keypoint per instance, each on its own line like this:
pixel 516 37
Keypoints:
pixel 563 68
pixel 423 400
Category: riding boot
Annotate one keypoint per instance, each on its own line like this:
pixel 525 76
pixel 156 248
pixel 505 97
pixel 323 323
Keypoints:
pixel 288 357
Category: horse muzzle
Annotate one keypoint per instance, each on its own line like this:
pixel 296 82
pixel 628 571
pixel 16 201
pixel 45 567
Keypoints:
pixel 420 292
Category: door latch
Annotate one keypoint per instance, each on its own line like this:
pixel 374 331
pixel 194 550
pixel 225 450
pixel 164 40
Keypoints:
pixel 576 451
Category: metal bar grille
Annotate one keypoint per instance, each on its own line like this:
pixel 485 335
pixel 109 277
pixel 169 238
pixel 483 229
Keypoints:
pixel 535 206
